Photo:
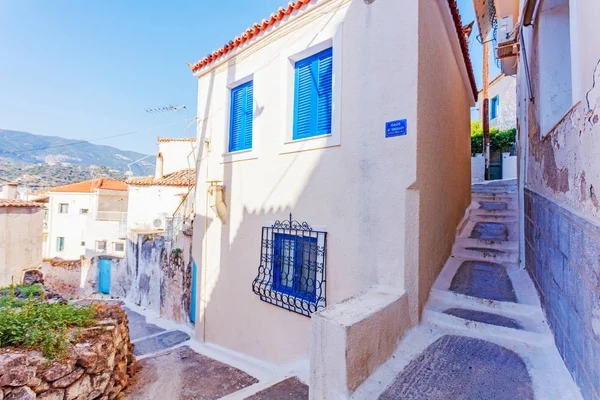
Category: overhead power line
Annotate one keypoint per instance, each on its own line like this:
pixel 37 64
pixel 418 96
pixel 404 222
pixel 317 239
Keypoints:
pixel 94 140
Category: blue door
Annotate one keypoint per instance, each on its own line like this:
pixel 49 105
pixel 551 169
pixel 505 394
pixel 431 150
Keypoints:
pixel 105 265
pixel 193 299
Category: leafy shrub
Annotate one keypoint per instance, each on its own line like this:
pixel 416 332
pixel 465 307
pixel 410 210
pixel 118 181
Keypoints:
pixel 30 290
pixel 499 140
pixel 41 326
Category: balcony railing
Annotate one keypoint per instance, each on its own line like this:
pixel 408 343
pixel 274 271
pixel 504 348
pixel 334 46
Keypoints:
pixel 111 216
pixel 184 213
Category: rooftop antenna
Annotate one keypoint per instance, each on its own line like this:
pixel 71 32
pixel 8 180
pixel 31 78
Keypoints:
pixel 130 172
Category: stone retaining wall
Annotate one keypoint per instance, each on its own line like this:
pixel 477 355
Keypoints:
pixel 99 366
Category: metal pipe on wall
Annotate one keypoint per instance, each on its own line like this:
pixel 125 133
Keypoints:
pixel 528 11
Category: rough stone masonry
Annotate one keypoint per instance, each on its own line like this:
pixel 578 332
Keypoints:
pixel 99 366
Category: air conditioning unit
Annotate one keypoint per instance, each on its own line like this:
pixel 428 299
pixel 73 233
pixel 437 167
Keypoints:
pixel 160 221
pixel 506 31
pixel 508 45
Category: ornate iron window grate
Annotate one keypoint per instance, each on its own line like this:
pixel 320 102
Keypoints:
pixel 291 274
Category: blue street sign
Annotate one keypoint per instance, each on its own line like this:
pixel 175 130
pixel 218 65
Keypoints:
pixel 395 128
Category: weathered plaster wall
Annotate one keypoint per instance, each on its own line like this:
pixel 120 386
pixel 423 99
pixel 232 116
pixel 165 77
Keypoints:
pixel 138 278
pixel 20 242
pixel 443 182
pixel 563 257
pixel 70 278
pixel 561 179
pixel 176 280
pixel 156 275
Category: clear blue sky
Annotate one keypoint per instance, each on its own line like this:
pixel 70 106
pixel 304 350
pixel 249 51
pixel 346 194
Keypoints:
pixel 90 69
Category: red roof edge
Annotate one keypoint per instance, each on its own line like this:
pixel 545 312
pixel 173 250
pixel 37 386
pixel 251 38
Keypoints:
pixel 464 45
pixel 255 30
pixel 282 12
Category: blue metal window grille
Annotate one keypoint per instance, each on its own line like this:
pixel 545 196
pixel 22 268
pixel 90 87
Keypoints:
pixel 494 106
pixel 313 95
pixel 241 116
pixel 291 274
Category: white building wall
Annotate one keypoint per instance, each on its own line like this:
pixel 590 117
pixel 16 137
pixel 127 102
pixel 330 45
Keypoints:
pixel 81 231
pixel 354 184
pixel 477 168
pixel 506 89
pixel 20 242
pixel 71 225
pixel 177 155
pixel 147 203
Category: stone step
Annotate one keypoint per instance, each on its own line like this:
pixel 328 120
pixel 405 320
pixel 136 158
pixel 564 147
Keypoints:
pixel 506 246
pixel 484 280
pixel 161 342
pixel 474 253
pixel 494 213
pixel 508 219
pixel 471 326
pixel 462 367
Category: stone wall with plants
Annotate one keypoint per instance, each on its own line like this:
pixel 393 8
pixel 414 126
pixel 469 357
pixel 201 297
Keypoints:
pixel 81 352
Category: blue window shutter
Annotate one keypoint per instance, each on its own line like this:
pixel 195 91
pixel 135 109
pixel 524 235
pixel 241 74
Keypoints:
pixel 241 118
pixel 495 104
pixel 249 111
pixel 303 124
pixel 313 95
pixel 325 97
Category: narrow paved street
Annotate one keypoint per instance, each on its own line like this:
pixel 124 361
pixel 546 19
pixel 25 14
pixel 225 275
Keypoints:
pixel 483 334
pixel 169 368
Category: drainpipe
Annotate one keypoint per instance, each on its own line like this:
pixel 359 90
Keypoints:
pixel 217 204
pixel 528 10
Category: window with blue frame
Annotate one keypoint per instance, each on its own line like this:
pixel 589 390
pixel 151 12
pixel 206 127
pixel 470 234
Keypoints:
pixel 494 107
pixel 313 95
pixel 241 116
pixel 291 274
pixel 294 268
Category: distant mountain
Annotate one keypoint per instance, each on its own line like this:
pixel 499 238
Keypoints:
pixel 23 148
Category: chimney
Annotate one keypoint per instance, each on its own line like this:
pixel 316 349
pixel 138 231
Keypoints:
pixel 9 191
pixel 159 167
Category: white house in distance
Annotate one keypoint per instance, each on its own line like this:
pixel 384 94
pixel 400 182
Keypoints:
pixel 503 102
pixel 152 199
pixel 503 116
pixel 87 218
pixel 339 113
pixel 20 237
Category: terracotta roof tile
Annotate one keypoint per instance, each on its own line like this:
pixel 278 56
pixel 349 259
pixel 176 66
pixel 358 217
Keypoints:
pixel 91 185
pixel 19 203
pixel 282 12
pixel 250 32
pixel 464 45
pixel 178 178
pixel 166 140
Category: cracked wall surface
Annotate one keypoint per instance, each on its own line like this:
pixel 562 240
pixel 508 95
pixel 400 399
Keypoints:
pixel 560 167
pixel 156 275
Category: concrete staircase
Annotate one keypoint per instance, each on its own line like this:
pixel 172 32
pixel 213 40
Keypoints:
pixel 483 334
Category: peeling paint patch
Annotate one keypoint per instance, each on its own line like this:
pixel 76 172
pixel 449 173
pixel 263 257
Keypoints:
pixel 593 97
pixel 596 321
pixel 582 187
pixel 594 198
